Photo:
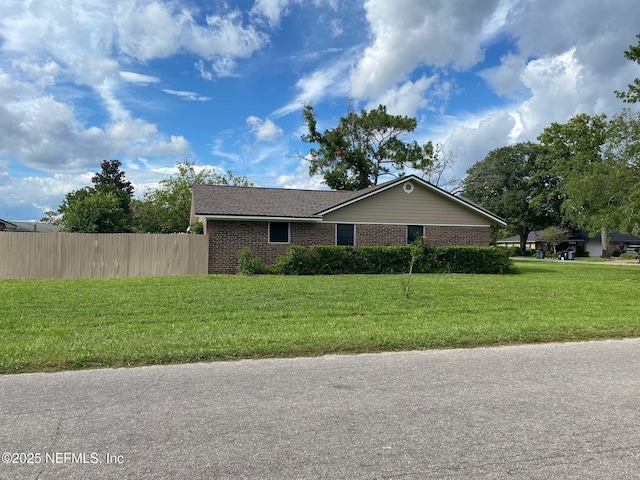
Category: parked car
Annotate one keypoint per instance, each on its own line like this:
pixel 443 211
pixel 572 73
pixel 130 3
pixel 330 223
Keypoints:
pixel 633 248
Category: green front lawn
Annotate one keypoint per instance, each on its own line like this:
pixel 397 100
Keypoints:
pixel 68 324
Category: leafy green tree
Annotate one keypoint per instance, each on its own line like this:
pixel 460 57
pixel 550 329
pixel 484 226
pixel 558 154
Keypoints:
pixel 362 148
pixel 619 198
pixel 112 175
pixel 553 236
pixel 632 95
pixel 167 208
pixel 89 210
pixel 505 182
pixel 592 185
pixel 104 208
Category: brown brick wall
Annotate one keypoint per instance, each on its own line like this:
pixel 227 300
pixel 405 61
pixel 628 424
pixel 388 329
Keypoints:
pixel 226 238
pixel 381 235
pixel 458 236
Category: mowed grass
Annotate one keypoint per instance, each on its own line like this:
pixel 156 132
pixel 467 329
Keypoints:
pixel 49 325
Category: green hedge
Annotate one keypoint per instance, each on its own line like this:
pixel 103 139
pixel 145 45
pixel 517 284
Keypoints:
pixel 332 260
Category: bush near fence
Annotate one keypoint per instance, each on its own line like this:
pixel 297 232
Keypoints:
pixel 331 260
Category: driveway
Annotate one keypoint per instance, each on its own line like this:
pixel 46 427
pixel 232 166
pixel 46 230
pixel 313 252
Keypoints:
pixel 562 411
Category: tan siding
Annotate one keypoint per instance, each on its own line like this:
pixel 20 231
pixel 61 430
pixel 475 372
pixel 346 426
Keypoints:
pixel 420 207
pixel 78 255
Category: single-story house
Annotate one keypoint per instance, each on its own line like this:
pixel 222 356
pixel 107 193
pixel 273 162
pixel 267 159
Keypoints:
pixel 16 226
pixel 269 220
pixel 532 243
pixel 578 241
pixel 623 242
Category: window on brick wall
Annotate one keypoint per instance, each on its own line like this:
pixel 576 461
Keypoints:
pixel 345 234
pixel 278 232
pixel 413 232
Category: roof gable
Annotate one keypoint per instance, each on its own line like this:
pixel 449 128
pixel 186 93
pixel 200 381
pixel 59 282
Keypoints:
pixel 460 202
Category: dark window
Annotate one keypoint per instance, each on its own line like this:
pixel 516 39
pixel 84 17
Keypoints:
pixel 278 232
pixel 345 234
pixel 413 232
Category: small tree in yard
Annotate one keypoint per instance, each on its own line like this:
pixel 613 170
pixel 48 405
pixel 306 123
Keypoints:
pixel 417 250
pixel 553 236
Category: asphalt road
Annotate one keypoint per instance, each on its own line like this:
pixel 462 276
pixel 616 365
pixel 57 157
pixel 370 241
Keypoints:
pixel 561 411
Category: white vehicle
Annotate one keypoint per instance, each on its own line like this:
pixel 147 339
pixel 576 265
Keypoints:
pixel 633 248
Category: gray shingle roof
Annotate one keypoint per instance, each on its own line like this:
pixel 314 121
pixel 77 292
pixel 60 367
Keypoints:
pixel 19 226
pixel 615 236
pixel 264 202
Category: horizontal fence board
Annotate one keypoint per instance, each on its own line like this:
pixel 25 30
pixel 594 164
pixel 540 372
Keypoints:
pixel 92 255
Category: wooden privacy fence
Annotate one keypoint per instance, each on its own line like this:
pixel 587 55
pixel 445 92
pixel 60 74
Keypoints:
pixel 87 255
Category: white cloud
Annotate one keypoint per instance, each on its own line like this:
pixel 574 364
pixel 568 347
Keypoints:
pixel 190 96
pixel 552 94
pixel 44 74
pixel 337 27
pixel 472 140
pixel 328 81
pixel 139 138
pixel 405 99
pixel 407 33
pixel 204 73
pixel 39 192
pixel 44 134
pixel 148 30
pixel 224 67
pixel 14 90
pixel 568 60
pixel 264 130
pixel 138 78
pixel 73 41
pixel 80 37
pixel 271 10
pixel 300 179
pixel 220 67
pixel 218 149
pixel 554 84
pixel 505 78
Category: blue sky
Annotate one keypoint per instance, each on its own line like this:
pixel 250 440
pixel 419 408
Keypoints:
pixel 222 83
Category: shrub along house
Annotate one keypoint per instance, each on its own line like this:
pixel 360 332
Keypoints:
pixel 269 220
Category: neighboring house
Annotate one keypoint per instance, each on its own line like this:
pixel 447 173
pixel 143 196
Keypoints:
pixel 578 241
pixel 533 241
pixel 617 241
pixel 15 226
pixel 269 220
